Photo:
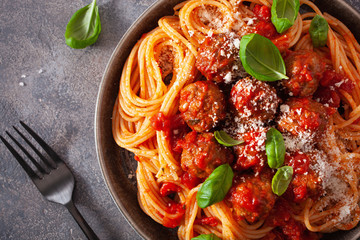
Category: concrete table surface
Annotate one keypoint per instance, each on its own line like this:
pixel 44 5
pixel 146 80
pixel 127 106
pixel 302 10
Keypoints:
pixel 53 88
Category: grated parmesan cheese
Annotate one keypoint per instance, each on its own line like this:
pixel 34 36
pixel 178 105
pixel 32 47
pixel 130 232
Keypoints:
pixel 228 78
pixel 284 108
pixel 338 84
pixel 237 43
pixel 249 21
pixel 210 17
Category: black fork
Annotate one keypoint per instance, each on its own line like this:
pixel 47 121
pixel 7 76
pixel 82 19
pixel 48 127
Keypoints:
pixel 52 177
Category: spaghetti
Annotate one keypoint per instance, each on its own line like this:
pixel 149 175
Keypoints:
pixel 146 121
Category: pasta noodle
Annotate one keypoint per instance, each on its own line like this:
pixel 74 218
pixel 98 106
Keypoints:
pixel 147 88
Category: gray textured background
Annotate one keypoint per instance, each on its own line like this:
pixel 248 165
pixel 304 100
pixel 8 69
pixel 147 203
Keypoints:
pixel 59 104
pixel 58 101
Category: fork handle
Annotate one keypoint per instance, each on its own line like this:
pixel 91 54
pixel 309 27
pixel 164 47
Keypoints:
pixel 81 221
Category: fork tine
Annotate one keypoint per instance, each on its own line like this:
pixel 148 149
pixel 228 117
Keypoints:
pixel 41 156
pixel 20 160
pixel 43 144
pixel 37 165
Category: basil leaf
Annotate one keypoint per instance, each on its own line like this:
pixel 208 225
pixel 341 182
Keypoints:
pixel 284 13
pixel 206 237
pixel 224 139
pixel 84 27
pixel 215 187
pixel 275 148
pixel 261 58
pixel 281 180
pixel 318 30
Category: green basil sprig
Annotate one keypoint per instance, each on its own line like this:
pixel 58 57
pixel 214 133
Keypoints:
pixel 275 148
pixel 318 30
pixel 284 13
pixel 261 58
pixel 206 237
pixel 84 27
pixel 224 139
pixel 281 180
pixel 215 187
pixel 275 152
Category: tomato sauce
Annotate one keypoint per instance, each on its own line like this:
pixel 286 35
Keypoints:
pixel 309 119
pixel 211 221
pixel 246 199
pixel 174 128
pixel 336 80
pixel 250 154
pixel 265 28
pixel 293 230
pixel 174 208
pixel 330 84
pixel 297 190
pixel 299 162
pixel 189 180
pixel 262 12
pixel 168 188
pixel 326 95
pixel 281 42
pixel 286 227
pixel 280 214
pixel 305 182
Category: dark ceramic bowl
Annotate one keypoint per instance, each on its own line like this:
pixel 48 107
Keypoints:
pixel 117 164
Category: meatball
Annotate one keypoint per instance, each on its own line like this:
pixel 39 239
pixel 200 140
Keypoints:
pixel 304 69
pixel 306 182
pixel 303 117
pixel 254 100
pixel 202 154
pixel 202 105
pixel 251 153
pixel 251 196
pixel 217 57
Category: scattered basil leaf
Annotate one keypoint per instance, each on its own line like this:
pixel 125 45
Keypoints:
pixel 275 148
pixel 284 13
pixel 224 139
pixel 319 29
pixel 261 58
pixel 215 187
pixel 84 27
pixel 206 237
pixel 281 180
